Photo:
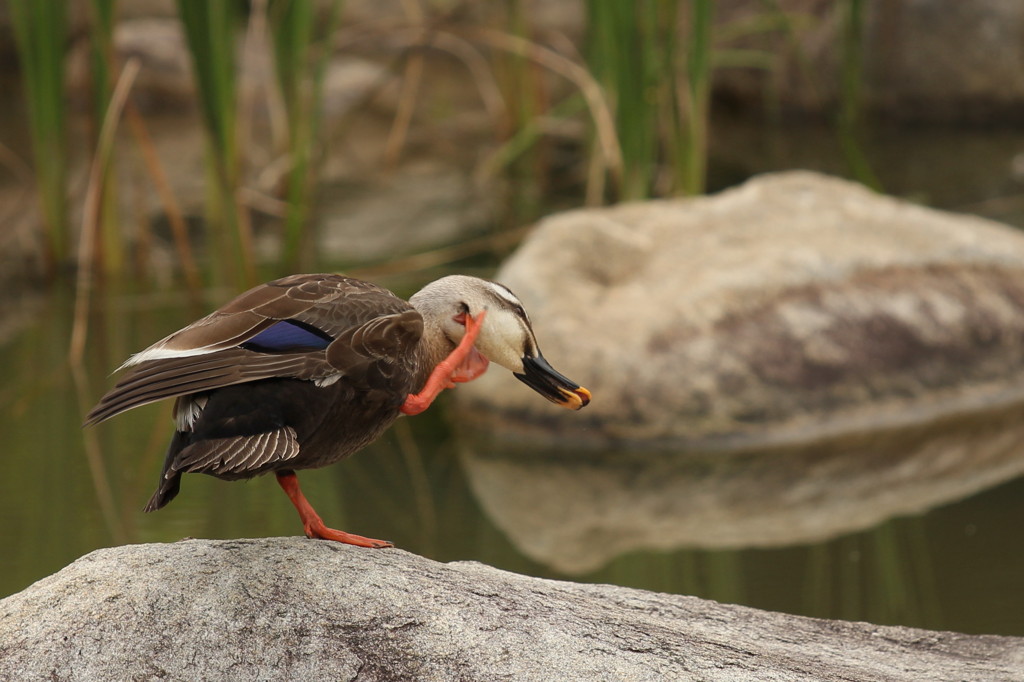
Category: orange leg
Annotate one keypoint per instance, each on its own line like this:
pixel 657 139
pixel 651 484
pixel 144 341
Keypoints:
pixel 462 364
pixel 312 522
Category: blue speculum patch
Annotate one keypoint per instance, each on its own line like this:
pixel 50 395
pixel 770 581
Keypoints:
pixel 288 335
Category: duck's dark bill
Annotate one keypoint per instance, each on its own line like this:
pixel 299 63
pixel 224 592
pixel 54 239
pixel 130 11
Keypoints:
pixel 542 377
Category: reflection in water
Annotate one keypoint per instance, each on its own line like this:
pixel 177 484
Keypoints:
pixel 956 568
pixel 575 515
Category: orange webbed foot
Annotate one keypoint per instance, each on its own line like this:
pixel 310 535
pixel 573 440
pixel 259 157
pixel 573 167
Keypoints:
pixel 311 521
pixel 462 364
pixel 322 532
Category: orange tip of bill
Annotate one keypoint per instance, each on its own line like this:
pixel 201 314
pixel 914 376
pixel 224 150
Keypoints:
pixel 575 399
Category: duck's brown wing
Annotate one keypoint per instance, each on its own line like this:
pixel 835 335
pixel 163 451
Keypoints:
pixel 314 327
pixel 329 303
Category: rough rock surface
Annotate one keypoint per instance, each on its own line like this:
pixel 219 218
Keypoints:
pixel 794 306
pixel 290 608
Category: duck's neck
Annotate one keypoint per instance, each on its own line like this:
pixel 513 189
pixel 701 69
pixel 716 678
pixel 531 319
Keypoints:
pixel 434 347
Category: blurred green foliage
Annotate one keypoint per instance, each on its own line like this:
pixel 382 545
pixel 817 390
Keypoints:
pixel 644 79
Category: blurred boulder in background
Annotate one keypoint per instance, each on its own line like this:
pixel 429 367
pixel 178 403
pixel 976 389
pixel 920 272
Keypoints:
pixel 793 307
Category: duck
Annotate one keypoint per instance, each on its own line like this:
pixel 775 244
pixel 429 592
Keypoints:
pixel 303 371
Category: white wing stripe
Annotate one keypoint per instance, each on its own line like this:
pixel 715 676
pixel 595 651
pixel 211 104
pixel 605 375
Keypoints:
pixel 157 353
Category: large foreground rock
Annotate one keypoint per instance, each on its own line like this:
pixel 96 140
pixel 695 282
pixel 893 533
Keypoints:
pixel 794 307
pixel 290 608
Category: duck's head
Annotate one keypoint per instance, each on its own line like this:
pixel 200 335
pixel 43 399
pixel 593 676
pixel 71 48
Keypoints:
pixel 506 337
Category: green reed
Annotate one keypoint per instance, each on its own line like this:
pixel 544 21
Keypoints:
pixel 302 50
pixel 211 30
pixel 850 118
pixel 40 29
pixel 645 86
pixel 659 90
pixel 693 149
pixel 620 49
pixel 526 152
pixel 101 30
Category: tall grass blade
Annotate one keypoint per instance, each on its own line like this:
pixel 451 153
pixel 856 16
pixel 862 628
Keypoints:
pixel 210 31
pixel 90 213
pixel 694 162
pixel 40 29
pixel 302 51
pixel 617 56
pixel 110 252
pixel 527 101
pixel 607 157
pixel 850 124
pixel 660 117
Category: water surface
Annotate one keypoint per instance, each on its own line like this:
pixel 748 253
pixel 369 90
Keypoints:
pixel 953 563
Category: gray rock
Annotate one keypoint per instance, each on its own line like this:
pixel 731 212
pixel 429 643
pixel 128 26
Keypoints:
pixel 291 608
pixel 794 307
